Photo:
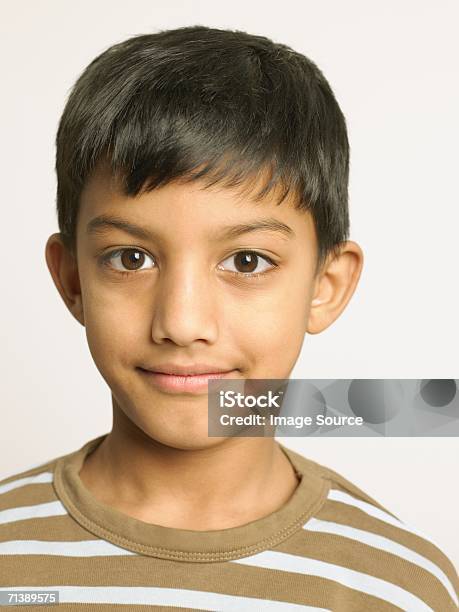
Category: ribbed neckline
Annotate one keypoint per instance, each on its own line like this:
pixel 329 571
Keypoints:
pixel 185 544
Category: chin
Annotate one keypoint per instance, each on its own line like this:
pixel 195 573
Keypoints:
pixel 181 435
pixel 190 443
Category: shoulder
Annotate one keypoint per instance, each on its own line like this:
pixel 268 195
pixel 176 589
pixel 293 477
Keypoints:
pixel 25 493
pixel 365 544
pixel 40 474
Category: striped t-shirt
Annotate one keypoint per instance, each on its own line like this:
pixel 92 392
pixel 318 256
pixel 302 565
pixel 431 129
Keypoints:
pixel 329 547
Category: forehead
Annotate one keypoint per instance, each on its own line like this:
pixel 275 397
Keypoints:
pixel 191 207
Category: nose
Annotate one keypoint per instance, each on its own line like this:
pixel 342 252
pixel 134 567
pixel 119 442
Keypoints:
pixel 185 305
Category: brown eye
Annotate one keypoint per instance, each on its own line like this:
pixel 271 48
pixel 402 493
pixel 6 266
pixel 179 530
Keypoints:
pixel 127 260
pixel 131 259
pixel 249 262
pixel 246 262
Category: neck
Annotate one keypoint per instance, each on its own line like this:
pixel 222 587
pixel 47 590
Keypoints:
pixel 238 480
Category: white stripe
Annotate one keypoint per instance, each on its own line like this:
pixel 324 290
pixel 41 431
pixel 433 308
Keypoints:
pixel 85 548
pixel 382 543
pixel 21 513
pixel 21 482
pixel 150 596
pixel 345 498
pixel 376 587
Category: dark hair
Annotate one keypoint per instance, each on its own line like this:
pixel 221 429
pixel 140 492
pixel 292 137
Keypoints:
pixel 216 105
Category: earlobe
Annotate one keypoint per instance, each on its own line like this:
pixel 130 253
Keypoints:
pixel 64 272
pixel 334 287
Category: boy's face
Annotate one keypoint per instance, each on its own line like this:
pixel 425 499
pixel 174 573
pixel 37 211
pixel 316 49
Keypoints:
pixel 185 299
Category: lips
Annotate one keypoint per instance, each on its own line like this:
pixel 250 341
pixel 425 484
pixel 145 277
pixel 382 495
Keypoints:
pixel 187 370
pixel 194 383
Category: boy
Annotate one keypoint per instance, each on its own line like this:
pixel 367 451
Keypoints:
pixel 220 160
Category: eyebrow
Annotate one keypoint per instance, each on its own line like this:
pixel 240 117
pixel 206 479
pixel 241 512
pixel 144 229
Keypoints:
pixel 101 224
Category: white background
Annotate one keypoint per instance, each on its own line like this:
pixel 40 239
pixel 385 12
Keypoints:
pixel 393 67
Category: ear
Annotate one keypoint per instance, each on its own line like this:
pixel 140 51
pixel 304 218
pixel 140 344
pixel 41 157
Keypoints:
pixel 334 287
pixel 64 271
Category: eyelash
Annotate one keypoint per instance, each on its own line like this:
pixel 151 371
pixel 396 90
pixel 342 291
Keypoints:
pixel 252 275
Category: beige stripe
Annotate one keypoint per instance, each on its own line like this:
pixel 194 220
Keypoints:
pixel 28 495
pixel 53 529
pixel 226 577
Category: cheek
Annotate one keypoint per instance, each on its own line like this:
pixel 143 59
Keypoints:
pixel 271 328
pixel 114 329
pixel 283 314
